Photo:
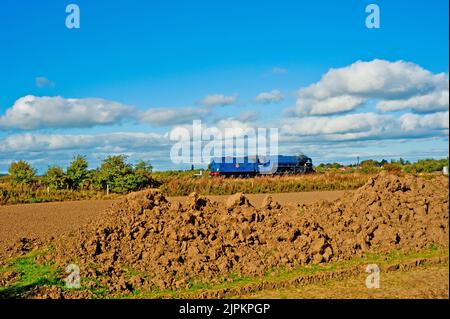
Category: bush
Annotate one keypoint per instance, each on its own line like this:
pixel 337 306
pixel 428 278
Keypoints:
pixel 55 178
pixel 370 167
pixel 429 165
pixel 122 177
pixel 392 168
pixel 77 172
pixel 21 173
pixel 22 185
pixel 4 196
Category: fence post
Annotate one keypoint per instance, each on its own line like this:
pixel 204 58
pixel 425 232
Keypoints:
pixel 107 190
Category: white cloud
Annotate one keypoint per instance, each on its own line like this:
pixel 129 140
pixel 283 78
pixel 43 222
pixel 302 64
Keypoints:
pixel 389 86
pixel 218 100
pixel 123 141
pixel 43 150
pixel 347 88
pixel 435 121
pixel 432 102
pixel 172 116
pixel 270 97
pixel 32 112
pixel 346 124
pixel 375 78
pixel 365 126
pixel 233 124
pixel 42 82
pixel 324 134
pixel 230 124
pixel 331 105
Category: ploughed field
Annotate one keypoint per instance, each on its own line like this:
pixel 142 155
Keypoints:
pixel 295 245
pixel 46 220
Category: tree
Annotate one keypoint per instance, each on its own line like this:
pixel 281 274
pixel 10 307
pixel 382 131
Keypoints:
pixel 369 166
pixel 55 178
pixel 109 172
pixel 369 163
pixel 383 162
pixel 122 177
pixel 392 167
pixel 429 165
pixel 21 173
pixel 328 166
pixel 143 167
pixel 77 171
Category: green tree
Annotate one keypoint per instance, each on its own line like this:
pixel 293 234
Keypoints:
pixel 143 175
pixel 55 178
pixel 322 167
pixel 369 163
pixel 369 166
pixel 111 170
pixel 21 173
pixel 429 165
pixel 122 177
pixel 143 167
pixel 392 167
pixel 77 171
pixel 383 162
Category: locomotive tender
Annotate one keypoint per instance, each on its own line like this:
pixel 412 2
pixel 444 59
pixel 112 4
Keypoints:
pixel 267 165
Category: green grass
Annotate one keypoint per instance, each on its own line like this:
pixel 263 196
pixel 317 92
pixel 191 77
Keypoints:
pixel 33 275
pixel 282 275
pixel 182 185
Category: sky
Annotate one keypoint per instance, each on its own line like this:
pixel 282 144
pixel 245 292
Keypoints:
pixel 135 71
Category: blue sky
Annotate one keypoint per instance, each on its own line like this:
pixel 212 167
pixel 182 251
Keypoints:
pixel 144 57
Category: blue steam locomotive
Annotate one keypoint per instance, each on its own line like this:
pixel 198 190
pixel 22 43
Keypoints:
pixel 267 165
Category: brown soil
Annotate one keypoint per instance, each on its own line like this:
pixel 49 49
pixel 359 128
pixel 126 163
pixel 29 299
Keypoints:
pixel 43 221
pixel 417 278
pixel 172 245
pixel 54 292
pixel 282 198
pixel 321 280
pixel 423 283
pixel 25 223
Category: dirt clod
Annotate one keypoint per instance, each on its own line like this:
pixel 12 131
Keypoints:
pixel 205 241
